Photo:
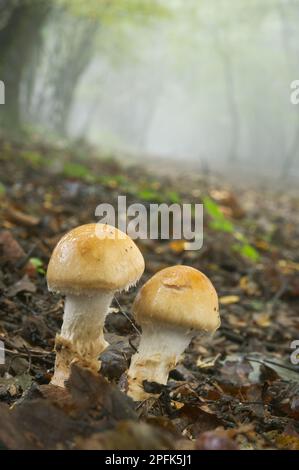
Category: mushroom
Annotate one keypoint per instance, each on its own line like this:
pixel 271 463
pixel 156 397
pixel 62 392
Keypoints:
pixel 171 307
pixel 88 265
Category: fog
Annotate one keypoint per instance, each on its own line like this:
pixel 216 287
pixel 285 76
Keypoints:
pixel 208 82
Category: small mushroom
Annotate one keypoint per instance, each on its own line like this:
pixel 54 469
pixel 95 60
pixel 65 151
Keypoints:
pixel 171 308
pixel 88 265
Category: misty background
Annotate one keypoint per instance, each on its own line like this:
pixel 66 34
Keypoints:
pixel 205 82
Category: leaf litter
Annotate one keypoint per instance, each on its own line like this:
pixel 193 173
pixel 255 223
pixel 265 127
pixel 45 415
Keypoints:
pixel 237 390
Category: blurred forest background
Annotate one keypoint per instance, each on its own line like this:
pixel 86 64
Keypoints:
pixel 207 82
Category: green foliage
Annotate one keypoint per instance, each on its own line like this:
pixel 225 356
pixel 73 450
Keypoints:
pixel 107 12
pixel 257 305
pixel 76 170
pixel 173 197
pixel 220 223
pixel 2 190
pixel 149 195
pixel 34 158
pixel 38 264
pixel 158 196
pixel 248 251
pixel 118 21
pixel 218 220
pixel 115 180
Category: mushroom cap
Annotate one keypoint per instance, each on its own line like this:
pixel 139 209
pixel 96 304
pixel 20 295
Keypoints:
pixel 181 296
pixel 94 257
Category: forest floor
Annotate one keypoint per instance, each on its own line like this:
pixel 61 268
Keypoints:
pixel 237 390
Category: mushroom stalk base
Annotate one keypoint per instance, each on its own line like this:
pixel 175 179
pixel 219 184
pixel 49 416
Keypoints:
pixel 81 339
pixel 160 349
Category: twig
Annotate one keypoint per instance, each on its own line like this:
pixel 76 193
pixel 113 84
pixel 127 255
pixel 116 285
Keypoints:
pixel 132 346
pixel 29 358
pixel 19 350
pixel 21 263
pixel 277 296
pixel 268 361
pixel 231 335
pixel 127 317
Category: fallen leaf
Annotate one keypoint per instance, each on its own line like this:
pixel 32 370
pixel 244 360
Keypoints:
pixel 207 362
pixel 38 424
pixel 249 286
pixel 262 319
pixel 229 299
pixel 177 246
pixel 24 285
pixel 115 358
pixel 215 440
pixel 230 206
pixel 287 266
pixel 194 420
pixel 236 372
pixel 129 435
pixel 284 440
pixel 15 385
pixel 18 217
pixel 91 391
pixel 10 248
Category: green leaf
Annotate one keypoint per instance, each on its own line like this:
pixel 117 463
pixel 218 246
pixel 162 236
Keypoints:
pixel 34 158
pixel 38 264
pixel 173 197
pixel 257 305
pixel 219 222
pixel 149 195
pixel 75 170
pixel 2 190
pixel 223 225
pixel 115 10
pixel 248 251
pixel 116 180
pixel 212 208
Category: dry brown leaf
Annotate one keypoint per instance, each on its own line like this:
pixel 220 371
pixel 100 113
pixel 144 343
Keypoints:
pixel 24 285
pixel 229 299
pixel 20 218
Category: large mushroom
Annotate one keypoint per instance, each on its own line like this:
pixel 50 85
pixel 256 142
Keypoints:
pixel 88 265
pixel 172 307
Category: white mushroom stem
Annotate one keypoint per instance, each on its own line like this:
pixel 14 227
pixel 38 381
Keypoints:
pixel 160 349
pixel 81 338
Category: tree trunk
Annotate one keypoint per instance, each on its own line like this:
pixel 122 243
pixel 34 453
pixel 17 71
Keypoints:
pixel 231 98
pixel 291 152
pixel 19 36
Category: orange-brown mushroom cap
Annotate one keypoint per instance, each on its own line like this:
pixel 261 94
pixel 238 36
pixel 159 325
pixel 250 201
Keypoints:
pixel 181 296
pixel 94 257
